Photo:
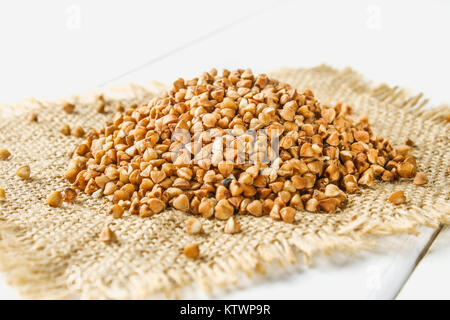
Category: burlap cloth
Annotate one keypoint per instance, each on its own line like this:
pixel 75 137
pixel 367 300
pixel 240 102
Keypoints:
pixel 55 253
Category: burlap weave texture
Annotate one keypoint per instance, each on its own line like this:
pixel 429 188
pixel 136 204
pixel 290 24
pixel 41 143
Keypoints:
pixel 55 253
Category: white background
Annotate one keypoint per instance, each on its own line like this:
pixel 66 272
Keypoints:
pixel 50 49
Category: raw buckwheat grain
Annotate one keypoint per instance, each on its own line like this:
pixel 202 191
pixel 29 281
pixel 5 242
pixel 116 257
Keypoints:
pixel 232 226
pixel 192 251
pixel 4 154
pixel 23 172
pixel 33 117
pixel 55 199
pixel 107 235
pixel 193 226
pixel 68 107
pixel 420 179
pixel 397 197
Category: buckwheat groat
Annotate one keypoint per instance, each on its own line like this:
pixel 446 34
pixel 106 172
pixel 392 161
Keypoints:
pixel 420 179
pixel 68 107
pixel 193 226
pixel 397 197
pixel 107 235
pixel 232 226
pixel 192 251
pixel 23 172
pixel 55 199
pixel 4 154
pixel 70 195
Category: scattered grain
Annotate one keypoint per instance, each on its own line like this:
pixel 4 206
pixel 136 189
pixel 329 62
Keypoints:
pixel 65 130
pixel 55 199
pixel 107 235
pixel 420 179
pixel 78 132
pixel 70 195
pixel 232 226
pixel 116 211
pixel 33 117
pixel 100 104
pixel 23 172
pixel 397 197
pixel 193 226
pixel 192 251
pixel 68 107
pixel 4 154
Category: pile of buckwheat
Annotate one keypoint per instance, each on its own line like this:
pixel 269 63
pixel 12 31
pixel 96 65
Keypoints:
pixel 218 145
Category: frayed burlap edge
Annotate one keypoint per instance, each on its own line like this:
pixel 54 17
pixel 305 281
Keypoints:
pixel 38 276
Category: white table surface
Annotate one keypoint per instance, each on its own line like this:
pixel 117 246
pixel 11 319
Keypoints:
pixel 51 49
pixel 430 279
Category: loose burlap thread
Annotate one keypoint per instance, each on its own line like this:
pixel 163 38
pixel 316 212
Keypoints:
pixel 55 253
